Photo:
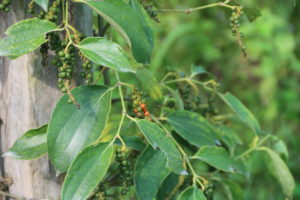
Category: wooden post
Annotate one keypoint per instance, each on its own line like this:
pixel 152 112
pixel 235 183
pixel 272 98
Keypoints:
pixel 28 93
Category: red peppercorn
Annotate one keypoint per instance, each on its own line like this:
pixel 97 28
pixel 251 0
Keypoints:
pixel 146 113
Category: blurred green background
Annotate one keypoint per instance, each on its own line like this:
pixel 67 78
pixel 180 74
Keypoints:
pixel 267 81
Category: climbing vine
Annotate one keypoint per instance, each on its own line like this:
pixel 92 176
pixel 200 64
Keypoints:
pixel 155 139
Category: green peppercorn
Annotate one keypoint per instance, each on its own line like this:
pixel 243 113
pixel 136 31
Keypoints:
pixel 61 54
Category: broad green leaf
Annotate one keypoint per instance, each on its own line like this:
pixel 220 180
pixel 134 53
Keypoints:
pixel 43 3
pixel 158 139
pixel 252 13
pixel 104 52
pixel 129 22
pixel 279 170
pixel 192 193
pixel 218 158
pixel 33 144
pixel 229 138
pixel 150 172
pixel 168 185
pixel 149 83
pixel 193 127
pixel 71 129
pixel 196 69
pixel 111 128
pixel 241 111
pixel 87 170
pixel 25 36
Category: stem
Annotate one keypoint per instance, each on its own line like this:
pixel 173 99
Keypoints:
pixel 123 110
pixel 119 130
pixel 190 10
pixel 67 85
pixel 190 80
pixel 120 91
pixel 263 140
pixel 127 85
pixel 168 75
pixel 185 156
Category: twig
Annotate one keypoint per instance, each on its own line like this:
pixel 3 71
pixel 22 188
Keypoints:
pixel 190 10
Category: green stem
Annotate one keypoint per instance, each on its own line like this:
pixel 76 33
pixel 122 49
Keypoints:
pixel 263 140
pixel 189 80
pixel 184 155
pixel 120 91
pixel 190 10
pixel 123 109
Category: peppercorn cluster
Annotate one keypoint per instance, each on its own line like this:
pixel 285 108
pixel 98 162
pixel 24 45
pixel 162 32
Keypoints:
pixel 139 107
pixel 209 191
pixel 87 66
pixel 99 193
pixel 53 11
pixel 235 27
pixel 51 15
pixel 190 101
pixel 126 169
pixel 4 5
pixel 193 102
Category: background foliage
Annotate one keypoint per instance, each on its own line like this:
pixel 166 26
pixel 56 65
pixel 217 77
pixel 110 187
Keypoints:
pixel 267 81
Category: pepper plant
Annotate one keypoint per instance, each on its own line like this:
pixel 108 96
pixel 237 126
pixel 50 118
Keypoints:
pixel 174 138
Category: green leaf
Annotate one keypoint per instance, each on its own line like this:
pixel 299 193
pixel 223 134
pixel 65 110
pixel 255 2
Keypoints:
pixel 158 139
pixel 71 129
pixel 192 193
pixel 229 138
pixel 252 13
pixel 33 144
pixel 111 128
pixel 104 52
pixel 25 36
pixel 149 83
pixel 241 111
pixel 168 186
pixel 279 170
pixel 129 22
pixel 218 158
pixel 193 127
pixel 43 3
pixel 150 172
pixel 196 69
pixel 87 170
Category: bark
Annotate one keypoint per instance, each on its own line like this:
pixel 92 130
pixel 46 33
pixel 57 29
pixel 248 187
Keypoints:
pixel 28 93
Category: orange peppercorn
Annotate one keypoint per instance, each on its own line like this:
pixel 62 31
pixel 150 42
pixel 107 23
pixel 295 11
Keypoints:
pixel 146 113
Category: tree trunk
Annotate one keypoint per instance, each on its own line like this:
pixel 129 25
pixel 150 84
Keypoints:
pixel 28 93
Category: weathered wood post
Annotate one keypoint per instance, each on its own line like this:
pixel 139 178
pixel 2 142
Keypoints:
pixel 28 93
